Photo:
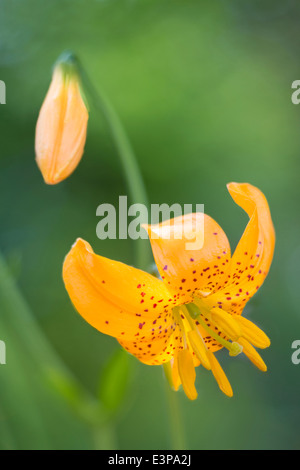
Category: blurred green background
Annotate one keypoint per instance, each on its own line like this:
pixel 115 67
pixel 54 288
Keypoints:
pixel 204 91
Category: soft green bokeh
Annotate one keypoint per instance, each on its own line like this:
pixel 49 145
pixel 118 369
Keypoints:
pixel 204 91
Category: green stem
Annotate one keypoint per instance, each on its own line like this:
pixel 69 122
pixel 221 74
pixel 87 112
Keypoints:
pixel 138 194
pixel 105 438
pixel 176 424
pixel 17 320
pixel 127 157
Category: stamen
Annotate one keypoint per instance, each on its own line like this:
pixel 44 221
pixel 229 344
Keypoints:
pixel 196 341
pixel 187 373
pixel 226 323
pixel 196 313
pixel 177 315
pixel 199 348
pixel 220 376
pixel 223 320
pixel 253 355
pixel 172 374
pixel 252 333
pixel 186 368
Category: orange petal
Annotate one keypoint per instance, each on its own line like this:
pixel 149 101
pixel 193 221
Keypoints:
pixel 117 299
pixel 252 258
pixel 157 348
pixel 61 128
pixel 187 270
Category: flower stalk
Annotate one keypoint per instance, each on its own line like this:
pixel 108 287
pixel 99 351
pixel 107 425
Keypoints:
pixel 18 324
pixel 128 160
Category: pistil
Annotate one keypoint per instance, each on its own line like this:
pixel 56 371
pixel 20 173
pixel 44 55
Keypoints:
pixel 193 311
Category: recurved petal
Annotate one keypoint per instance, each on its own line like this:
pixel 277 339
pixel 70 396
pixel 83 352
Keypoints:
pixel 252 258
pixel 191 252
pixel 117 299
pixel 61 128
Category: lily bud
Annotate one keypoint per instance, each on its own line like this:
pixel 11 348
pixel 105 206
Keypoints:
pixel 62 124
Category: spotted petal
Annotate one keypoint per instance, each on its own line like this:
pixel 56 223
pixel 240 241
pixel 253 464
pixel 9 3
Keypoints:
pixel 252 258
pixel 191 252
pixel 158 348
pixel 117 299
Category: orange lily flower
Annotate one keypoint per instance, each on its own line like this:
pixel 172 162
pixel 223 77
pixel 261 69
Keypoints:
pixel 62 125
pixel 195 309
